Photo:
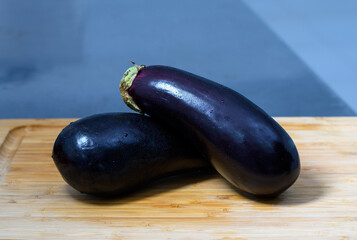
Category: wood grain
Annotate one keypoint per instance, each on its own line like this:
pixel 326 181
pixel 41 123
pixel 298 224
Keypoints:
pixel 36 203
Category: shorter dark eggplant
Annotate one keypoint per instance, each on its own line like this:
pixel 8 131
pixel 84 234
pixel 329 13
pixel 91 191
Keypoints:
pixel 116 153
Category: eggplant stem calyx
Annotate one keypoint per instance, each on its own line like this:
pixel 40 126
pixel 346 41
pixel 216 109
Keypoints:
pixel 125 84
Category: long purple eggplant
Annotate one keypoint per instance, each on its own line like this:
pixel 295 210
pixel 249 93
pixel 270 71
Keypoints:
pixel 116 153
pixel 246 146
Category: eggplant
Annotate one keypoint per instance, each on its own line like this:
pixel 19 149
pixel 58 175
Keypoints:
pixel 114 154
pixel 245 145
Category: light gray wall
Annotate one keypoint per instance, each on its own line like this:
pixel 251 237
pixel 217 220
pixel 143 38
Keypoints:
pixel 322 33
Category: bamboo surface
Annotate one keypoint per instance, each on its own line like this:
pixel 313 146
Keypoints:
pixel 35 203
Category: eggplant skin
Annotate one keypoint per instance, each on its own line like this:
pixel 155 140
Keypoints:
pixel 113 154
pixel 245 145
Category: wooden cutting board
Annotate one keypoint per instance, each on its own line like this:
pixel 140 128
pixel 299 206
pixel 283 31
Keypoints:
pixel 35 203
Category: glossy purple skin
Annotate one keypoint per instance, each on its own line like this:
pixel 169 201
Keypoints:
pixel 117 153
pixel 246 146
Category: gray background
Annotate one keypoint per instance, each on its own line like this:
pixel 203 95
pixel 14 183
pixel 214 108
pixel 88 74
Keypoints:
pixel 66 58
pixel 323 33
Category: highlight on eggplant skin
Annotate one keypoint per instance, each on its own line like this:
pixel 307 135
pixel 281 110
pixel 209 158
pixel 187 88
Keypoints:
pixel 245 145
pixel 117 153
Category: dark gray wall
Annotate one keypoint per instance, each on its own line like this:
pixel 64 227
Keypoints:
pixel 66 58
